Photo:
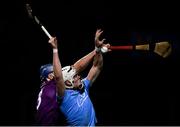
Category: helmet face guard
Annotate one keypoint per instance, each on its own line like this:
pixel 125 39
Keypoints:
pixel 68 74
pixel 45 70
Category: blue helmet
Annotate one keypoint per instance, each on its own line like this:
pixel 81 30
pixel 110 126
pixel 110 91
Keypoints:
pixel 45 70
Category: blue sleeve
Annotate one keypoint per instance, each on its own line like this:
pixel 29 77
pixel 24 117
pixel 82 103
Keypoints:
pixel 87 83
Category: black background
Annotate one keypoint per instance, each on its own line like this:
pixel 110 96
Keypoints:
pixel 134 88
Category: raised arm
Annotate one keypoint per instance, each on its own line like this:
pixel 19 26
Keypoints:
pixel 98 58
pixel 82 63
pixel 57 67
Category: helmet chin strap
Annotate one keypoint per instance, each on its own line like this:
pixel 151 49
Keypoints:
pixel 81 86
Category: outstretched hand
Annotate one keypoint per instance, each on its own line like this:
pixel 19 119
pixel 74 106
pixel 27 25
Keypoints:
pixel 99 43
pixel 53 42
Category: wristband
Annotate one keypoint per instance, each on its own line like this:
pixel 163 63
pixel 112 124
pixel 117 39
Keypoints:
pixel 55 50
pixel 98 50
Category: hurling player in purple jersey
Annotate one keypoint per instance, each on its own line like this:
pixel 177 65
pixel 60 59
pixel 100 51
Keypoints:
pixel 47 107
pixel 72 90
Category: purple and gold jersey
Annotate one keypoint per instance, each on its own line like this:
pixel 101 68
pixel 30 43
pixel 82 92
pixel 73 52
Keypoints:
pixel 47 105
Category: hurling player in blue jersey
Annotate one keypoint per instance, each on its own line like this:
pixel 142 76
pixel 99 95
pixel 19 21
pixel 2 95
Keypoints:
pixel 47 109
pixel 48 113
pixel 72 90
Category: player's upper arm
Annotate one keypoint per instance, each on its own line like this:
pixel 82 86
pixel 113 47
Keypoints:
pixel 93 74
pixel 60 86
